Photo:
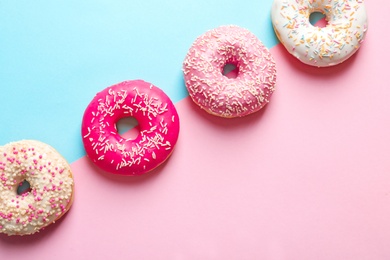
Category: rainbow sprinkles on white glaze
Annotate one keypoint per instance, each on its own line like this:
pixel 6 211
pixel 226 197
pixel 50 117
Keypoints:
pixel 336 42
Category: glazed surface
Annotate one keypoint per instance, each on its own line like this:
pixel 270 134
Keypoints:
pixel 158 128
pixel 51 181
pixel 229 97
pixel 340 39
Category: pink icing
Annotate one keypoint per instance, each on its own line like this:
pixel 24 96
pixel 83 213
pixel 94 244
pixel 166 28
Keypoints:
pixel 218 94
pixel 158 128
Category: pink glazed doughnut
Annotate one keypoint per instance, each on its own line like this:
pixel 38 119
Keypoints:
pixel 158 128
pixel 229 97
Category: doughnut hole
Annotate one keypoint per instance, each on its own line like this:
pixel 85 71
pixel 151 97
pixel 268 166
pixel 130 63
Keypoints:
pixel 24 187
pixel 317 19
pixel 127 128
pixel 230 70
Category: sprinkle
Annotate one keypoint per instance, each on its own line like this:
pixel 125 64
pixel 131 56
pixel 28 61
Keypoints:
pixel 138 99
pixel 216 93
pixel 322 45
pixel 21 218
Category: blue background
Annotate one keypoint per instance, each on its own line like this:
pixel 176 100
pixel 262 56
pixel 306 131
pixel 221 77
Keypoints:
pixel 56 55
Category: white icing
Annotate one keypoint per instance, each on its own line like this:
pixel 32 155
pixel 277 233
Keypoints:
pixel 51 184
pixel 328 46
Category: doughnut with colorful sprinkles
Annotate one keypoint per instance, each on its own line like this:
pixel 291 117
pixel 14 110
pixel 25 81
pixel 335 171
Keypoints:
pixel 336 42
pixel 218 94
pixel 36 187
pixel 158 128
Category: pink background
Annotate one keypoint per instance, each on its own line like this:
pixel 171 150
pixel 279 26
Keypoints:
pixel 308 177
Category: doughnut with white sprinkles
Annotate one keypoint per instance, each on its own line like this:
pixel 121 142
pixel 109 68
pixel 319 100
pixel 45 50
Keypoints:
pixel 331 45
pixel 227 97
pixel 50 190
pixel 158 128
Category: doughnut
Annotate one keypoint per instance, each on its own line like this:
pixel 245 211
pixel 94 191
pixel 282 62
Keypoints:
pixel 158 124
pixel 50 181
pixel 322 47
pixel 214 92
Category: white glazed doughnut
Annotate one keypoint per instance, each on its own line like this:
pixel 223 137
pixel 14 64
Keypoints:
pixel 340 39
pixel 51 187
pixel 229 97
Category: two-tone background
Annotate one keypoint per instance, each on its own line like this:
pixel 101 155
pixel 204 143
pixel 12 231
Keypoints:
pixel 308 177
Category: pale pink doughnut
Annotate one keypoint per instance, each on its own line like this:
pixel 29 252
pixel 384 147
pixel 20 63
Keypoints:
pixel 158 128
pixel 229 97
